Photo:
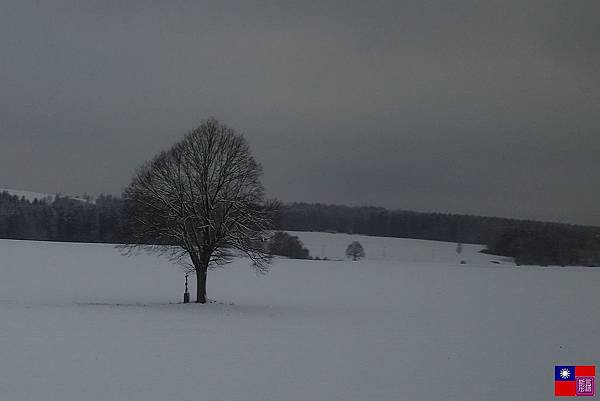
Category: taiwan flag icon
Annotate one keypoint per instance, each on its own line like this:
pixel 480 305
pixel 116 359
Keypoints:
pixel 574 381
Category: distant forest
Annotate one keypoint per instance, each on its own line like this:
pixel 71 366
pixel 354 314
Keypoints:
pixel 529 242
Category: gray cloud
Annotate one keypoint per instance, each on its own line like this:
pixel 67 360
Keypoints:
pixel 469 107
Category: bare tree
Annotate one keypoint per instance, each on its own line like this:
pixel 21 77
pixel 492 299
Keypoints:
pixel 201 203
pixel 355 251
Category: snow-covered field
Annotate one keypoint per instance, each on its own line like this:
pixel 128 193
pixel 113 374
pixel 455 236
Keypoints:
pixel 31 196
pixel 386 249
pixel 79 322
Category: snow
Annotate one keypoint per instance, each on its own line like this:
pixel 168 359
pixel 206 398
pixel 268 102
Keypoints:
pixel 28 195
pixel 31 196
pixel 81 322
pixel 388 249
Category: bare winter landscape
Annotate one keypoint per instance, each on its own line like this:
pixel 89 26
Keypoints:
pixel 299 201
pixel 82 322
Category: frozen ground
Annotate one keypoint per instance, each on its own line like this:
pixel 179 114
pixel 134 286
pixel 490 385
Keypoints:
pixel 78 322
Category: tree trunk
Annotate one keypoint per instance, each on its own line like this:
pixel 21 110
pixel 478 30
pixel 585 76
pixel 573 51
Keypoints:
pixel 201 285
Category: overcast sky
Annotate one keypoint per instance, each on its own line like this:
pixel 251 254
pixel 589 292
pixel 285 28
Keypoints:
pixel 480 107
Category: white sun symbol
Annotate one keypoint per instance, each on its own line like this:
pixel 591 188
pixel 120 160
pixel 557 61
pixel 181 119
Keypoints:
pixel 565 373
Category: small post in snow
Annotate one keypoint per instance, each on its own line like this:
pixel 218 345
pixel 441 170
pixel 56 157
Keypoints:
pixel 186 294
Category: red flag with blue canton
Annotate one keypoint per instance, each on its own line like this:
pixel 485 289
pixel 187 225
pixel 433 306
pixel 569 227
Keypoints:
pixel 571 380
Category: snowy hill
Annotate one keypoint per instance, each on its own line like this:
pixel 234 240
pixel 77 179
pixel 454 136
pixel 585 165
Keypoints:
pixel 31 196
pixel 81 322
pixel 388 249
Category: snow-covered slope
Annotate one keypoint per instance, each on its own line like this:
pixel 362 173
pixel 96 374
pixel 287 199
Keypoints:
pixel 383 249
pixel 81 322
pixel 31 196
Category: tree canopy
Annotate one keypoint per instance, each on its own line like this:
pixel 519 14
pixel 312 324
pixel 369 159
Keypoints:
pixel 205 197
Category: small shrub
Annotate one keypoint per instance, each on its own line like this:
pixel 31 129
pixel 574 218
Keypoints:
pixel 284 244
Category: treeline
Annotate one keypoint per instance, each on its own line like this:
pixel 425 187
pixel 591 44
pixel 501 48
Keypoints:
pixel 529 242
pixel 381 222
pixel 63 219
pixel 548 244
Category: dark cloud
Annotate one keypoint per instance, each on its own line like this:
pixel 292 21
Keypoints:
pixel 470 107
